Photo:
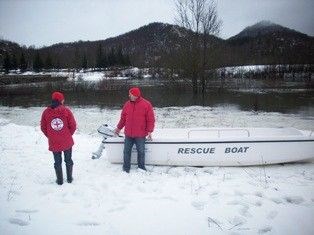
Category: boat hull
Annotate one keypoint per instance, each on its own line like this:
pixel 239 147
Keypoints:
pixel 216 153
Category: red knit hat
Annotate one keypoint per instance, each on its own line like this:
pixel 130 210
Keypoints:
pixel 135 91
pixel 57 96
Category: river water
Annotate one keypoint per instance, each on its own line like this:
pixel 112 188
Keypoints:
pixel 263 96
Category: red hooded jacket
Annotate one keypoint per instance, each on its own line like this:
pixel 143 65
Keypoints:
pixel 58 125
pixel 137 117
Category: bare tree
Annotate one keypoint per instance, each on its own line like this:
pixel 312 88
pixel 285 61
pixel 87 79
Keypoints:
pixel 199 16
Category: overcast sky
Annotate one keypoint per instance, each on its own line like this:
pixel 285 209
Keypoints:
pixel 45 22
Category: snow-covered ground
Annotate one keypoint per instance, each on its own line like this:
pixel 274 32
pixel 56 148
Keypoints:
pixel 276 199
pixel 90 74
pixel 251 68
pixel 243 69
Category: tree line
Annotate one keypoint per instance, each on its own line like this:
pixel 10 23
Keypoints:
pixel 38 61
pixel 13 63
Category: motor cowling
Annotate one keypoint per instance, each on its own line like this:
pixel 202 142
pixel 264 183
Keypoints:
pixel 106 130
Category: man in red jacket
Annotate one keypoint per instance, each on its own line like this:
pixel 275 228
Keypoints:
pixel 58 125
pixel 138 120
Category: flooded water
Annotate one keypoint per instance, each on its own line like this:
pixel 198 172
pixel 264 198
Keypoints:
pixel 259 96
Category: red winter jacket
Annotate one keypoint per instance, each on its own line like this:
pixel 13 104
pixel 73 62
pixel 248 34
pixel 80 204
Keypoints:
pixel 58 125
pixel 137 117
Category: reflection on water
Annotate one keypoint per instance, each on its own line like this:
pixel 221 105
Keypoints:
pixel 257 96
pixel 269 102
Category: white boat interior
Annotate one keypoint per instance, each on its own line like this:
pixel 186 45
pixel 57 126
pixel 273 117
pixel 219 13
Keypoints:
pixel 234 133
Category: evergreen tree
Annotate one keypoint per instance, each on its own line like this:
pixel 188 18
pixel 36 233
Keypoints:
pixel 77 56
pixel 7 62
pixel 127 61
pixel 84 62
pixel 23 63
pixel 57 63
pixel 99 57
pixel 14 62
pixel 120 57
pixel 112 58
pixel 37 63
pixel 105 60
pixel 48 62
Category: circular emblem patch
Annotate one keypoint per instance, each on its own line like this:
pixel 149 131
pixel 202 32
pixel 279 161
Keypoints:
pixel 57 124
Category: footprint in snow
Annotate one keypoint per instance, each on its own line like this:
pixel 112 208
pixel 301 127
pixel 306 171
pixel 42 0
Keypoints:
pixel 198 205
pixel 258 203
pixel 277 200
pixel 214 193
pixel 294 199
pixel 259 194
pixel 265 230
pixel 18 222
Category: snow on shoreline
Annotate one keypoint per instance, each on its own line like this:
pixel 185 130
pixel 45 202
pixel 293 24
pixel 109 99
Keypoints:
pixel 90 118
pixel 275 199
pixel 90 74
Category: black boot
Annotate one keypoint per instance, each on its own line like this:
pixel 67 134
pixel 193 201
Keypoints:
pixel 59 175
pixel 142 168
pixel 69 173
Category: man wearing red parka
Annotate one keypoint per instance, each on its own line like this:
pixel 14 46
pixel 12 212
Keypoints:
pixel 138 120
pixel 58 125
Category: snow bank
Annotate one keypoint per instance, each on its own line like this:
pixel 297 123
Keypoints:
pixel 165 200
pixel 242 69
pixel 89 75
pixel 92 75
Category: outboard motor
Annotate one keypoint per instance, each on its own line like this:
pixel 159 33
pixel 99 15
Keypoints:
pixel 107 132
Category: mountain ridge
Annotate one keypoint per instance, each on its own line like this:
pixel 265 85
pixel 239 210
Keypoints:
pixel 263 28
pixel 154 44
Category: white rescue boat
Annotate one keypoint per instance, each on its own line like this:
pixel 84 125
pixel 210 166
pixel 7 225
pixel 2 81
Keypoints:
pixel 215 146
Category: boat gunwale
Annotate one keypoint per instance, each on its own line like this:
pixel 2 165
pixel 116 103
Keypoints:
pixel 107 141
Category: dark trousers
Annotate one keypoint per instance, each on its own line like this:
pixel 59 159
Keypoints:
pixel 140 147
pixel 67 158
